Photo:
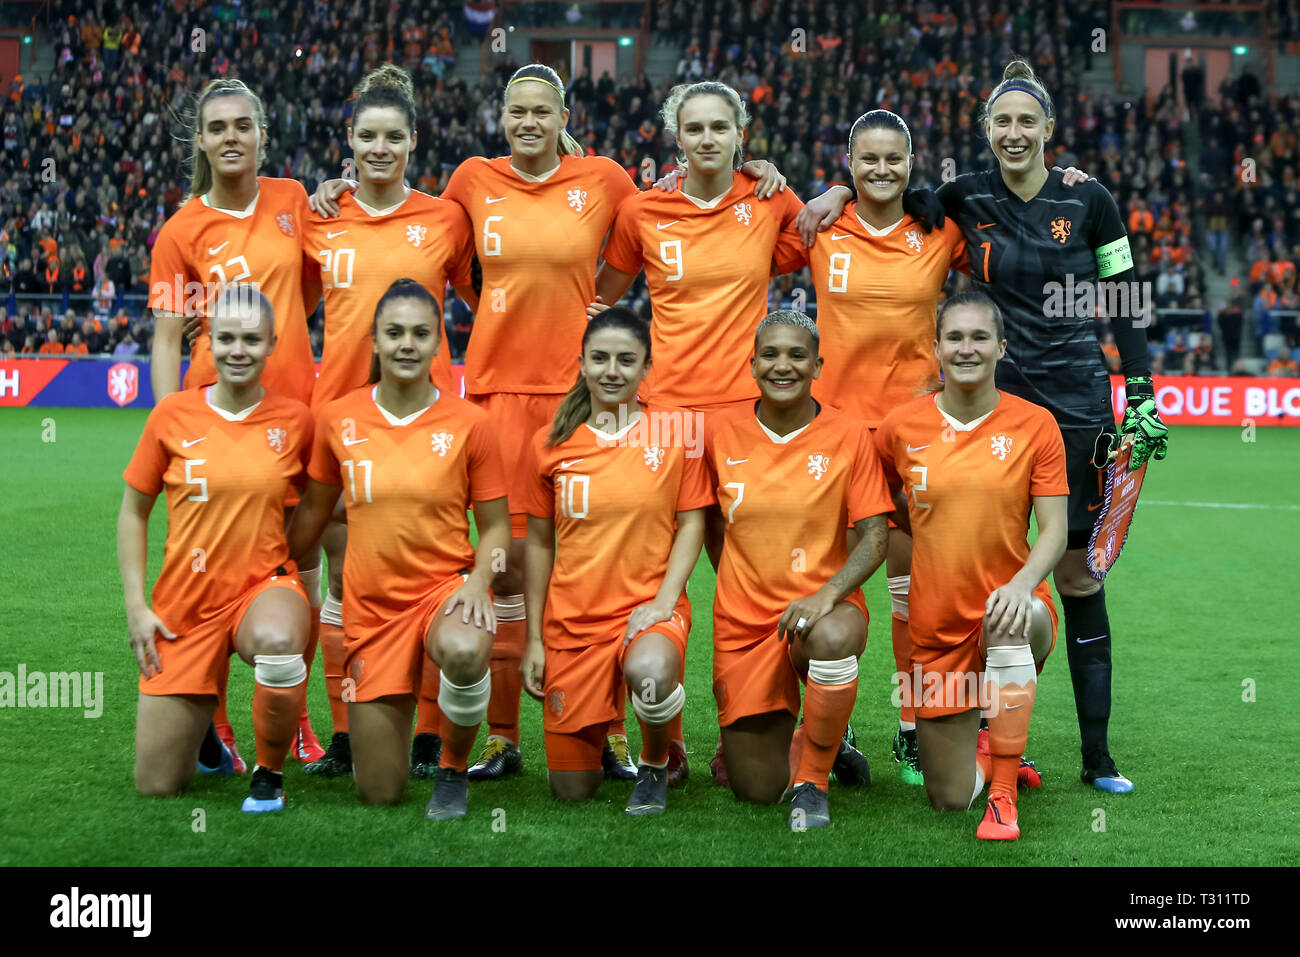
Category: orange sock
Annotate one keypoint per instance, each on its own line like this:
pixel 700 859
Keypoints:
pixel 903 665
pixel 675 727
pixel 507 682
pixel 428 716
pixel 796 755
pixel 826 709
pixel 333 658
pixel 456 743
pixel 1013 683
pixel 219 717
pixel 619 724
pixel 275 721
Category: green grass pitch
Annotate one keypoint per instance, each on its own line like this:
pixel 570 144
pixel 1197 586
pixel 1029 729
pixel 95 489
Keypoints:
pixel 1199 606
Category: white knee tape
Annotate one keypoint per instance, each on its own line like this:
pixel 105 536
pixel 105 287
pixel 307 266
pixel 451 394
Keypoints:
pixel 331 611
pixel 509 607
pixel 664 711
pixel 465 705
pixel 899 586
pixel 279 671
pixel 838 672
pixel 311 581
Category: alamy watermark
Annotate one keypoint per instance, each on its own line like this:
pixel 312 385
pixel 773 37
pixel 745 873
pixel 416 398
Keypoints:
pixel 53 689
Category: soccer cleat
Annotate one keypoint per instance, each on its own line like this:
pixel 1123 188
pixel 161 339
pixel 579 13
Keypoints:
pixel 1102 774
pixel 908 757
pixel 305 746
pixel 1000 820
pixel 650 796
pixel 426 749
pixel 616 759
pixel 718 767
pixel 851 768
pixel 266 792
pixel 450 795
pixel 679 771
pixel 1027 775
pixel 337 760
pixel 225 765
pixel 227 736
pixel 809 808
pixel 498 759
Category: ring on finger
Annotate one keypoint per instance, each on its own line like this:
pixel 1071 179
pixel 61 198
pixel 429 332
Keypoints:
pixel 801 624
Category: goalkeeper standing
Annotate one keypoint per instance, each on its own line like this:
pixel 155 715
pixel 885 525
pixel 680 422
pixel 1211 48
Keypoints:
pixel 1030 238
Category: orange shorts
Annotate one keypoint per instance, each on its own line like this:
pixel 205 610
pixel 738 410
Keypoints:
pixel 389 659
pixel 583 686
pixel 760 677
pixel 516 417
pixel 193 663
pixel 949 680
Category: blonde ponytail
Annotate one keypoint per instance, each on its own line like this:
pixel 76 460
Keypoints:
pixel 575 409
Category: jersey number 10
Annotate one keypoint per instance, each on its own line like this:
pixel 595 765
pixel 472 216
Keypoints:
pixel 573 487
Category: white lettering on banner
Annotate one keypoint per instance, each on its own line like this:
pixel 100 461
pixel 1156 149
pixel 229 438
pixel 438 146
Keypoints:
pixel 1265 402
pixel 1222 400
pixel 7 383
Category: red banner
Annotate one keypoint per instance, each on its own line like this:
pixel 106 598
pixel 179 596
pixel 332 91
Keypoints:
pixel 1216 400
pixel 22 379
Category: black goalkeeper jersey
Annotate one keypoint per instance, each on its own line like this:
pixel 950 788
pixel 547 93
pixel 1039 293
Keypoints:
pixel 1030 258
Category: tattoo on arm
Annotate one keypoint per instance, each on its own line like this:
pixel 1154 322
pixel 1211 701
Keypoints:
pixel 866 556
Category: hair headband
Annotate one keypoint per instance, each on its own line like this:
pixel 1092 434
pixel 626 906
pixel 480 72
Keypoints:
pixel 1022 87
pixel 539 79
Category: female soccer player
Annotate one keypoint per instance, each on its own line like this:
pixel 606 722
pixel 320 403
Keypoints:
pixel 971 461
pixel 385 231
pixel 1029 236
pixel 605 485
pixel 226 455
pixel 237 227
pixel 410 459
pixel 791 475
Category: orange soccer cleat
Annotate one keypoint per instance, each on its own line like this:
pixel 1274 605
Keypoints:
pixel 1000 820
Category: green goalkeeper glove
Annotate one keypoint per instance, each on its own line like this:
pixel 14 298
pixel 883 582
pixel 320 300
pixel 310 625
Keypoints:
pixel 1142 421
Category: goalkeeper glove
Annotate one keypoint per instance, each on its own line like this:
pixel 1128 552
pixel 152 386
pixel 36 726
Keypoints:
pixel 1142 421
pixel 924 206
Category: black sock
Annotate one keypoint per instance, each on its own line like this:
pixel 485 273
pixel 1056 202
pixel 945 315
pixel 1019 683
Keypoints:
pixel 1087 637
pixel 210 749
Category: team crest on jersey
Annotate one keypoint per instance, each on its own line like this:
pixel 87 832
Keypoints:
pixel 275 439
pixel 415 234
pixel 441 442
pixel 744 212
pixel 1001 446
pixel 285 222
pixel 123 382
pixel 654 457
pixel 577 199
pixel 555 703
pixel 817 465
pixel 1061 229
pixel 914 241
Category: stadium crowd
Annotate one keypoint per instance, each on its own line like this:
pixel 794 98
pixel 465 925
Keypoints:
pixel 92 164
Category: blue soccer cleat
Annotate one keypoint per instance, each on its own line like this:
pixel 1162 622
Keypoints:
pixel 1104 776
pixel 223 768
pixel 266 792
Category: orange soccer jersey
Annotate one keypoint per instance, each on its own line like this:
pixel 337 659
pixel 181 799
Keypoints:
pixel 226 478
pixel 360 255
pixel 201 248
pixel 708 271
pixel 876 303
pixel 787 503
pixel 538 242
pixel 407 484
pixel 614 498
pixel 970 490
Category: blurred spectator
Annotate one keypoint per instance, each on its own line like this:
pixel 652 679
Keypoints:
pixel 126 348
pixel 1202 358
pixel 1283 367
pixel 1231 317
pixel 77 347
pixel 52 346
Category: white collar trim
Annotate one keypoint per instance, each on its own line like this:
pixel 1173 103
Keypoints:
pixel 375 211
pixel 873 231
pixel 230 416
pixel 394 420
pixel 235 213
pixel 707 204
pixel 532 178
pixel 958 426
pixel 780 439
pixel 614 436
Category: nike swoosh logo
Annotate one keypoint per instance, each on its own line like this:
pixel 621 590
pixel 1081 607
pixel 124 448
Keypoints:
pixel 213 252
pixel 186 443
pixel 736 461
pixel 666 225
pixel 348 442
pixel 840 236
pixel 570 463
pixel 917 448
pixel 498 199
pixel 1084 641
pixel 332 235
pixel 1013 707
pixel 984 225
pixel 1093 508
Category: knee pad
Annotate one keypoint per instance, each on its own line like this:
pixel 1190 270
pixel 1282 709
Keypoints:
pixel 509 607
pixel 664 711
pixel 899 586
pixel 465 705
pixel 279 671
pixel 838 672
